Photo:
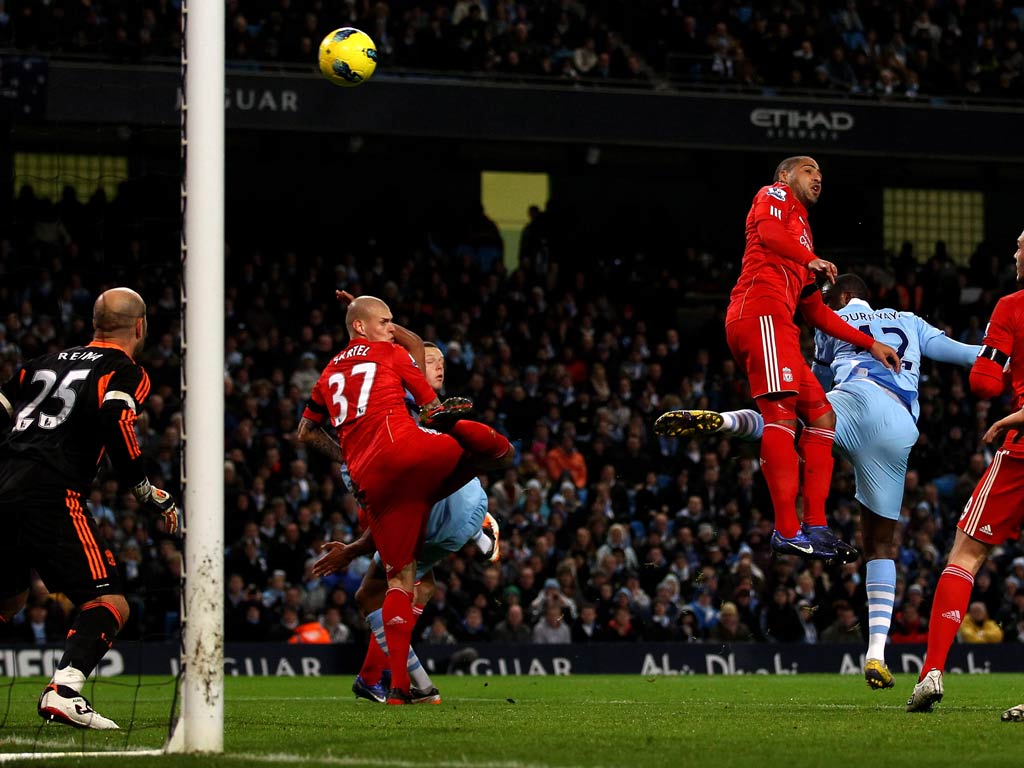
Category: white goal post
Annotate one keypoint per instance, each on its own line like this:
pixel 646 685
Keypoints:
pixel 201 725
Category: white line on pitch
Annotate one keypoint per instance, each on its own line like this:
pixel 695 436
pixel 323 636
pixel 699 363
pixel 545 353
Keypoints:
pixel 377 762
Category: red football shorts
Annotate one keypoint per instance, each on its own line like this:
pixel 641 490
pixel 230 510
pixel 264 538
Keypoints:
pixel 995 510
pixel 398 488
pixel 767 348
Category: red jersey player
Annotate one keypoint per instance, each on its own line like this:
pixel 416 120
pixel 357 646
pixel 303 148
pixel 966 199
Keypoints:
pixel 995 511
pixel 398 470
pixel 777 279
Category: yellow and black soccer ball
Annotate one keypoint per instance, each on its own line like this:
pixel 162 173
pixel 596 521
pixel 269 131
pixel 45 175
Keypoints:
pixel 348 57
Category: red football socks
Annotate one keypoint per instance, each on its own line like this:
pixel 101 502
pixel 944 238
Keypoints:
pixel 398 625
pixel 815 448
pixel 952 595
pixel 374 663
pixel 781 467
pixel 480 439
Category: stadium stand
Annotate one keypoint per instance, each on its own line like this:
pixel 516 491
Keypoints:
pixel 645 539
pixel 941 50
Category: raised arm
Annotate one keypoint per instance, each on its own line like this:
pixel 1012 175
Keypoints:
pixel 936 345
pixel 412 344
pixel 404 338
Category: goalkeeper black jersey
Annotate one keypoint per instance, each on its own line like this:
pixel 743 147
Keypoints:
pixel 66 408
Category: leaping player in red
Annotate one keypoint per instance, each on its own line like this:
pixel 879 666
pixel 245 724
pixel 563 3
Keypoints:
pixel 778 278
pixel 995 511
pixel 398 470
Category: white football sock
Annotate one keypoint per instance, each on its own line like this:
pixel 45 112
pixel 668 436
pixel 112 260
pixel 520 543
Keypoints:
pixel 483 541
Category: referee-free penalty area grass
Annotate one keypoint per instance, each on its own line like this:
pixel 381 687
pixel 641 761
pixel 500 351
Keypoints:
pixel 603 721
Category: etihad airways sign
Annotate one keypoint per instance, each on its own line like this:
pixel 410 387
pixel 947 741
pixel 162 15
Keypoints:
pixel 801 123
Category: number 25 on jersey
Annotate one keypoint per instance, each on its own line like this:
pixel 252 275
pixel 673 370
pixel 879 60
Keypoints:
pixel 65 392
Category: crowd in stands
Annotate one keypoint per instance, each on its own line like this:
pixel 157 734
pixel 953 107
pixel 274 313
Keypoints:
pixel 868 48
pixel 609 533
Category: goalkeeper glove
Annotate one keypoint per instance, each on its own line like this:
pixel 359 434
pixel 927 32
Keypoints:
pixel 160 500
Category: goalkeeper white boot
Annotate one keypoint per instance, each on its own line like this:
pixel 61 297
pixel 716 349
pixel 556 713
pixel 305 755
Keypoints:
pixel 926 693
pixel 62 702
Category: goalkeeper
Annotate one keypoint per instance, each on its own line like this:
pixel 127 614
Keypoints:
pixel 58 416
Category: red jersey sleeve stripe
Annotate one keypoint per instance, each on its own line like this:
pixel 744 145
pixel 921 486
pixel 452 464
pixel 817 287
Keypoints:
pixel 85 537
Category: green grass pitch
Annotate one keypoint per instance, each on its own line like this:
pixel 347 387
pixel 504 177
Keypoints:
pixel 535 722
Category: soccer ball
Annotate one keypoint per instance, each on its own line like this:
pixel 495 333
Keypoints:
pixel 348 57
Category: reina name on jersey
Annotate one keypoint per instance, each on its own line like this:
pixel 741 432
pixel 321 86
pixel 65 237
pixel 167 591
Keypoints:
pixel 80 355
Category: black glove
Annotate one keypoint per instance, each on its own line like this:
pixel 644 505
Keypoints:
pixel 160 500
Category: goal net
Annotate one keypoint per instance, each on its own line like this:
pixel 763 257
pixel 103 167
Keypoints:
pixel 82 218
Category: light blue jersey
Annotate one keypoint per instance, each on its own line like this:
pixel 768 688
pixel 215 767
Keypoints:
pixel 912 338
pixel 877 409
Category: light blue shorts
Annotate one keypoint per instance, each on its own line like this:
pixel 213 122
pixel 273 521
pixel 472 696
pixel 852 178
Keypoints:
pixel 875 431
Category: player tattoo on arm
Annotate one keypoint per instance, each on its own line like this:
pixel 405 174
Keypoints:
pixel 313 434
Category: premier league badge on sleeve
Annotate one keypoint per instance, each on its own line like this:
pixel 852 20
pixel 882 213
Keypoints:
pixel 778 193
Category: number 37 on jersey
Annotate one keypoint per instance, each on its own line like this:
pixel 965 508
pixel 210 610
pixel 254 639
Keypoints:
pixel 359 380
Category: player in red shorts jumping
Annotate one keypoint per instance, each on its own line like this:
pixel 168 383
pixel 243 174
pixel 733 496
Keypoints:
pixel 778 278
pixel 995 511
pixel 398 471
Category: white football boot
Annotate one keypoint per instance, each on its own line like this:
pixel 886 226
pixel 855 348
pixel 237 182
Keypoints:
pixel 1014 714
pixel 926 693
pixel 62 702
